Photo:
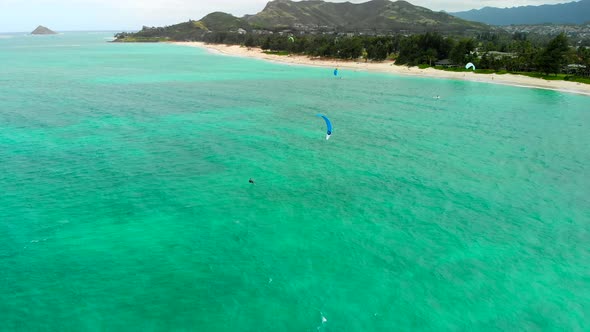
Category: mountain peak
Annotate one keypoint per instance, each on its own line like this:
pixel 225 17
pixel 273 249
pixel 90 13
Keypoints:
pixel 375 16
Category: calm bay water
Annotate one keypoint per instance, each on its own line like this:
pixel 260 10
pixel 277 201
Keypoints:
pixel 125 203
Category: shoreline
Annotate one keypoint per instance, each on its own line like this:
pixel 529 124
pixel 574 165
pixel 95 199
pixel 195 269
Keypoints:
pixel 389 68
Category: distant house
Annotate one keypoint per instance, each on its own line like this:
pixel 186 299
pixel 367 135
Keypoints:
pixel 500 55
pixel 576 69
pixel 262 32
pixel 445 63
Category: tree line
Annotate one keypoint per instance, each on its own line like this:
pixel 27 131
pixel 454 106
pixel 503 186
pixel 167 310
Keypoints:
pixel 519 52
pixel 516 53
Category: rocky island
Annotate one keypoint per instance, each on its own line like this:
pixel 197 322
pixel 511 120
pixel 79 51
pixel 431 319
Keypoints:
pixel 41 30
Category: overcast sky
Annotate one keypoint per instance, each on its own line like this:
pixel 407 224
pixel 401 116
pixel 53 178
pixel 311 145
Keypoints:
pixel 68 15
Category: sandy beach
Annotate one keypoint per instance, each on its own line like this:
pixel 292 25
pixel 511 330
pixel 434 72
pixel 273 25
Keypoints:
pixel 387 67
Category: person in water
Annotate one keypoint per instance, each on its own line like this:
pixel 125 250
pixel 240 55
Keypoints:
pixel 251 181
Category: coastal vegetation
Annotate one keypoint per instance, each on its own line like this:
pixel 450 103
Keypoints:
pixel 489 53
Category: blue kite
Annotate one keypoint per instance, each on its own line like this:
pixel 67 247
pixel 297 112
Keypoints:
pixel 328 124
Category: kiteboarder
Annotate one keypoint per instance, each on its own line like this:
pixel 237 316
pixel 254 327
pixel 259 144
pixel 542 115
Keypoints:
pixel 328 125
pixel 251 181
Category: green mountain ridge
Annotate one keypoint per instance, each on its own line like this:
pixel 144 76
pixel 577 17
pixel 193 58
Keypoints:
pixel 316 16
pixel 377 15
pixel 219 21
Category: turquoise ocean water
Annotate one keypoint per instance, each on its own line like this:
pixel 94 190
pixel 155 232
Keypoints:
pixel 125 203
